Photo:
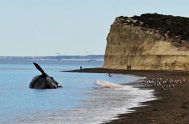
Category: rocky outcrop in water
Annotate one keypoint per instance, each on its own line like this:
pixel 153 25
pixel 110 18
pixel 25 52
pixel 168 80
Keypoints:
pixel 148 42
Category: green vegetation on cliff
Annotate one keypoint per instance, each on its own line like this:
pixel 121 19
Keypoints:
pixel 174 26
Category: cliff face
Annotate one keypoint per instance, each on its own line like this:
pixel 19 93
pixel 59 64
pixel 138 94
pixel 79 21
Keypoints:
pixel 130 44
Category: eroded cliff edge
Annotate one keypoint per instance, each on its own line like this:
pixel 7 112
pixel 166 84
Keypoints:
pixel 148 42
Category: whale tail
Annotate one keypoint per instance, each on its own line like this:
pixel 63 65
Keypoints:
pixel 40 69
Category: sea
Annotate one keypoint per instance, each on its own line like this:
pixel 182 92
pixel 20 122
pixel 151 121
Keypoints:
pixel 82 100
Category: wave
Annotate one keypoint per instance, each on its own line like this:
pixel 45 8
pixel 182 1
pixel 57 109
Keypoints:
pixel 107 84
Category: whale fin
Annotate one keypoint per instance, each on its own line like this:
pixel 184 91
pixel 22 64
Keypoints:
pixel 40 69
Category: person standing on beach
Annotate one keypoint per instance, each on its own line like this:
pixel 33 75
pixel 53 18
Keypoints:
pixel 81 68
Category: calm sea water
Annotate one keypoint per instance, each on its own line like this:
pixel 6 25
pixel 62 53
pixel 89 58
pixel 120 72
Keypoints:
pixel 80 100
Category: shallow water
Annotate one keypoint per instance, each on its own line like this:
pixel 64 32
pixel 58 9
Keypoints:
pixel 80 100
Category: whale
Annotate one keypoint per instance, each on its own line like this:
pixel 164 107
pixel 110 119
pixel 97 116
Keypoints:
pixel 43 81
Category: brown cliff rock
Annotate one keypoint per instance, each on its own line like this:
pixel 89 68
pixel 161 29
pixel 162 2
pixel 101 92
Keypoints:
pixel 134 44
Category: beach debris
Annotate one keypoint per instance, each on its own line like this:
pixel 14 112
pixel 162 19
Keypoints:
pixel 43 81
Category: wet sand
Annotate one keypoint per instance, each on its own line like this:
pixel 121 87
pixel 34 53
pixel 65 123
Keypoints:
pixel 171 89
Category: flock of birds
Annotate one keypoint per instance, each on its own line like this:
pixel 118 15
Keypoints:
pixel 163 83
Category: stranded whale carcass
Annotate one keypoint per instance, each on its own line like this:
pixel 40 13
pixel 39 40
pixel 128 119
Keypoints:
pixel 43 81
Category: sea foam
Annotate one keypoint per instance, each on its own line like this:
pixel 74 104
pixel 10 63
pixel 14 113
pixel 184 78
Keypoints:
pixel 106 104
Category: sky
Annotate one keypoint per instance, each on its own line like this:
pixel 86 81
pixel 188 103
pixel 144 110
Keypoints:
pixel 69 27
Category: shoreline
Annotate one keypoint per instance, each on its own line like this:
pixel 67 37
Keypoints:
pixel 171 89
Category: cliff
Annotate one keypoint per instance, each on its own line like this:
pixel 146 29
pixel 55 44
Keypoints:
pixel 148 42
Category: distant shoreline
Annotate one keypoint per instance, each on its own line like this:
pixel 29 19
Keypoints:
pixel 172 105
pixel 93 57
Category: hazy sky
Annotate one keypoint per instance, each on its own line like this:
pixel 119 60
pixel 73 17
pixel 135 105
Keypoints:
pixel 79 27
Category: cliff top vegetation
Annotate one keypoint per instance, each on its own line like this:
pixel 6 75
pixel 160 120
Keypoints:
pixel 174 26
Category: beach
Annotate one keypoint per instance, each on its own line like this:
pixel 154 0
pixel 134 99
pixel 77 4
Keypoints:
pixel 171 90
